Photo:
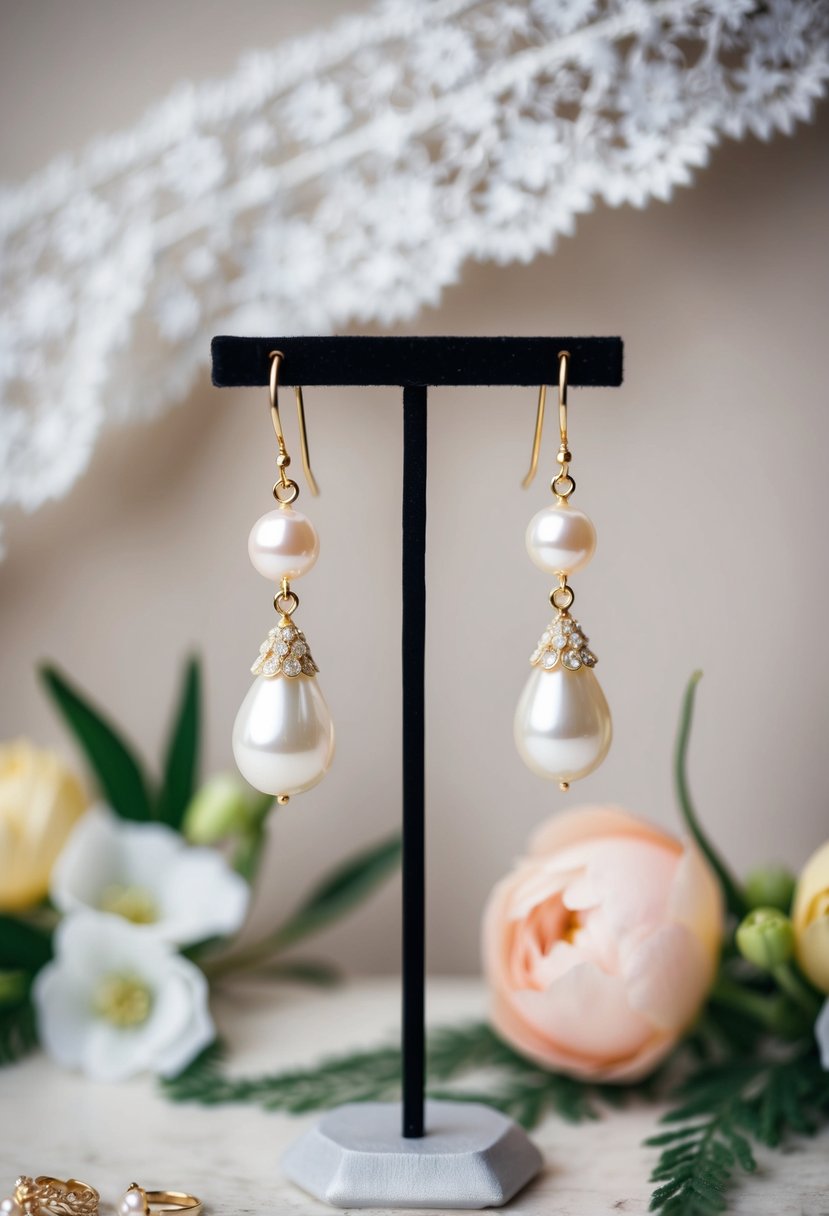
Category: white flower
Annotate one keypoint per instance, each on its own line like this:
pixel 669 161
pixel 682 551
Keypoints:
pixel 147 873
pixel 116 1001
pixel 822 1034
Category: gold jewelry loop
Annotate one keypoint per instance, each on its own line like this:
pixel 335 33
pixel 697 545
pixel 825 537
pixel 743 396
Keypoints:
pixel 285 493
pixel 563 373
pixel 286 602
pixel 562 596
pixel 563 485
pixel 283 460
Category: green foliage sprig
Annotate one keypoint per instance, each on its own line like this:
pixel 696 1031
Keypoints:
pixel 124 780
pixel 515 1086
pixel 719 1111
pixel 749 1074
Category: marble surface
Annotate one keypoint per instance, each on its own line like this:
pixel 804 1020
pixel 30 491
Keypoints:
pixel 57 1123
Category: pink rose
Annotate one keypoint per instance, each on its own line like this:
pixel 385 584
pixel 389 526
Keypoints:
pixel 601 946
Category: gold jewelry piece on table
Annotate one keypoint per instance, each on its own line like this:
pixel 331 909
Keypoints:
pixel 52 1196
pixel 136 1201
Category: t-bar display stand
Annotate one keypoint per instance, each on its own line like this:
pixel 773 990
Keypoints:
pixel 446 1154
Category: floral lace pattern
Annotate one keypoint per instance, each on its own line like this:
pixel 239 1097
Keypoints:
pixel 347 176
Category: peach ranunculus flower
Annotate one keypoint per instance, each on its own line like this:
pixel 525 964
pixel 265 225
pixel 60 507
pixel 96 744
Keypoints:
pixel 810 915
pixel 601 946
pixel 40 803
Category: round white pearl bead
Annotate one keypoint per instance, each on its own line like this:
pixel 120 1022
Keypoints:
pixel 131 1201
pixel 283 544
pixel 561 539
pixel 10 1207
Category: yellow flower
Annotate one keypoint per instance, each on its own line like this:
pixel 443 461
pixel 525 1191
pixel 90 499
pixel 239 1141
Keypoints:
pixel 810 915
pixel 40 802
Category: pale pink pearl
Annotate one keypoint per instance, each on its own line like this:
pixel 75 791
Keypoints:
pixel 283 544
pixel 561 539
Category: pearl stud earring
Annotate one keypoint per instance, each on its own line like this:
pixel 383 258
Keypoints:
pixel 283 737
pixel 562 723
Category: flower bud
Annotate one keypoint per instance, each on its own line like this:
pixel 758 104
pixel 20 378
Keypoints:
pixel 218 810
pixel 811 919
pixel 40 803
pixel 770 887
pixel 766 938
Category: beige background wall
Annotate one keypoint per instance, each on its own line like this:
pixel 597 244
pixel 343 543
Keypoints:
pixel 706 476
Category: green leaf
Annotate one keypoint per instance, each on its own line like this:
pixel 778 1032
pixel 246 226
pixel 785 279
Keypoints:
pixel 303 971
pixel 182 756
pixel 18 1032
pixel 22 946
pixel 115 765
pixel 734 897
pixel 345 887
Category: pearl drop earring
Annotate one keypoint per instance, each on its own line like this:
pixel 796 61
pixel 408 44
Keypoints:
pixel 283 736
pixel 562 723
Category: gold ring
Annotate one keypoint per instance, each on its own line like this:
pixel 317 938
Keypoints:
pixel 136 1201
pixel 35 1196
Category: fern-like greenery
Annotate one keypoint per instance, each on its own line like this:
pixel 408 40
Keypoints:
pixel 518 1088
pixel 721 1109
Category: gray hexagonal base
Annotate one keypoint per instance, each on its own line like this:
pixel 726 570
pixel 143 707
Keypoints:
pixel 471 1157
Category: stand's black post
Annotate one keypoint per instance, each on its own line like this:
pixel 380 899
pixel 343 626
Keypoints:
pixel 414 644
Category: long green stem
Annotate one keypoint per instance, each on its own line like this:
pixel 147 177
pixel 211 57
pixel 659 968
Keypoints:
pixel 797 989
pixel 773 1013
pixel 734 898
pixel 253 956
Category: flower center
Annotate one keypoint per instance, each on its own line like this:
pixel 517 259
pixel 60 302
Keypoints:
pixel 135 904
pixel 573 923
pixel 123 1000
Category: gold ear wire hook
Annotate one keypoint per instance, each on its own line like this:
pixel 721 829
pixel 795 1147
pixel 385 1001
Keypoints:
pixel 563 368
pixel 276 357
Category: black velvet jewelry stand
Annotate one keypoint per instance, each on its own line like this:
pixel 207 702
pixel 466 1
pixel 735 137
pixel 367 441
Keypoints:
pixel 468 1156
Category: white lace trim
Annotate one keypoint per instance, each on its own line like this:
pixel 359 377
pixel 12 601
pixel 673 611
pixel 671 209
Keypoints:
pixel 348 176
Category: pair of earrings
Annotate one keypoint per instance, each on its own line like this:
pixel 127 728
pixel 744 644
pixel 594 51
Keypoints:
pixel 283 737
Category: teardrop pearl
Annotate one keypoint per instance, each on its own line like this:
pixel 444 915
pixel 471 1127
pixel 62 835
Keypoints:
pixel 283 544
pixel 561 539
pixel 562 724
pixel 283 736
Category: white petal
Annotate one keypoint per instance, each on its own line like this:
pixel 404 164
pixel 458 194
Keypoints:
pixel 62 1003
pixel 201 898
pixel 98 944
pixel 91 851
pixel 104 850
pixel 822 1034
pixel 199 1030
